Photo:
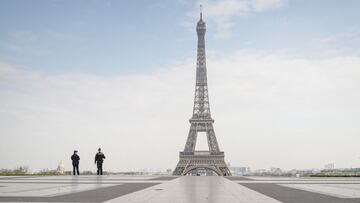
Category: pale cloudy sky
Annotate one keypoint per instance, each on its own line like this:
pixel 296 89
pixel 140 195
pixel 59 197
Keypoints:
pixel 283 75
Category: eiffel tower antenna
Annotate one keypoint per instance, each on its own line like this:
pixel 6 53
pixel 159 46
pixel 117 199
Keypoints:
pixel 211 161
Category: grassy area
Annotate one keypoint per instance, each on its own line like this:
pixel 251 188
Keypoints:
pixel 30 174
pixel 343 175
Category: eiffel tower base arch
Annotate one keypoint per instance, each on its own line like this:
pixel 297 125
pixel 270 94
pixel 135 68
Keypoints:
pixel 201 160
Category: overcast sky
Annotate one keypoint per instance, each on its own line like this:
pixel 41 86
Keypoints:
pixel 284 81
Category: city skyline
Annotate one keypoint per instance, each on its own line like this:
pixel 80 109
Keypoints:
pixel 81 75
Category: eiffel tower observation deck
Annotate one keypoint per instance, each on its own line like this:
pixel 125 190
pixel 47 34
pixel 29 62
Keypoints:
pixel 211 161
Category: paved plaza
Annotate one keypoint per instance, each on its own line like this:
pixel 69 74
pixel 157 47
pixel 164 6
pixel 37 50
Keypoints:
pixel 161 189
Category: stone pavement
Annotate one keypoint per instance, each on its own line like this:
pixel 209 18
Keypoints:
pixel 161 189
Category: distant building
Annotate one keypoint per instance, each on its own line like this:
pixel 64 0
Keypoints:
pixel 60 169
pixel 329 166
pixel 261 170
pixel 275 171
pixel 240 170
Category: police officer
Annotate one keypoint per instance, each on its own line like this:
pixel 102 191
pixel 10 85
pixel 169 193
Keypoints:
pixel 75 162
pixel 99 159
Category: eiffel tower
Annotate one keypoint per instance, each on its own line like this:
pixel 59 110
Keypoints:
pixel 191 161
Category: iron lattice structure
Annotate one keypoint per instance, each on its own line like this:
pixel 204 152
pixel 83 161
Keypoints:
pixel 201 121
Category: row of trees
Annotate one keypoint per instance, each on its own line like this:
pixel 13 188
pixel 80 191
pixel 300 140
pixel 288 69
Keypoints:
pixel 24 170
pixel 21 170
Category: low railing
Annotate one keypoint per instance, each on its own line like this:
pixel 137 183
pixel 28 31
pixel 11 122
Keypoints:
pixel 201 153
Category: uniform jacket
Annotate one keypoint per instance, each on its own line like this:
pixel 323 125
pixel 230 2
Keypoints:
pixel 99 158
pixel 75 159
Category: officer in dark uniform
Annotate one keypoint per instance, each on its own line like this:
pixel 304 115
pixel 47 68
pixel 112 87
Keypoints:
pixel 99 159
pixel 75 162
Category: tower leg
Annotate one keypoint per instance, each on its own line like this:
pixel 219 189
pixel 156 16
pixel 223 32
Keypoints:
pixel 191 140
pixel 212 141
